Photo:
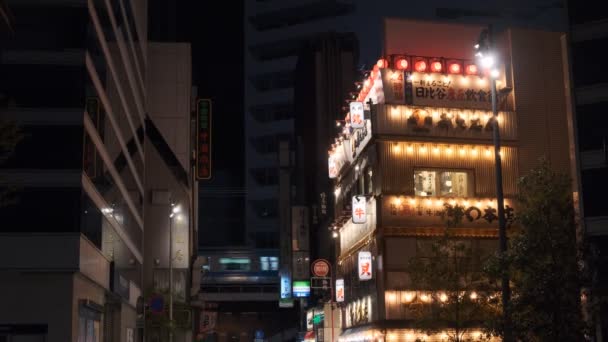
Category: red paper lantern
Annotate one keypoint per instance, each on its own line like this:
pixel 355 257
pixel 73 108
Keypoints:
pixel 402 64
pixel 471 69
pixel 382 63
pixel 436 66
pixel 454 68
pixel 420 66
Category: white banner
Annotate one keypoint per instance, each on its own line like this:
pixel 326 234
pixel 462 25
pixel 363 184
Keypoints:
pixel 365 265
pixel 339 290
pixel 357 118
pixel 359 209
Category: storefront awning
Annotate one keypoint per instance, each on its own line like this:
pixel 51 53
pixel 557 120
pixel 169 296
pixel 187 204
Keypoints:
pixel 309 336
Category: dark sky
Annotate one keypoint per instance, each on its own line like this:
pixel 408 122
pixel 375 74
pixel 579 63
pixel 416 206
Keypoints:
pixel 217 41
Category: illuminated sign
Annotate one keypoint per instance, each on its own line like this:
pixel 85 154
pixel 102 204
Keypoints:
pixel 285 284
pixel 339 290
pixel 301 288
pixel 203 139
pixel 365 265
pixel 359 209
pixel 320 268
pixel 357 119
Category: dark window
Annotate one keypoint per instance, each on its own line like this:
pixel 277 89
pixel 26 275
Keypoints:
pixel 273 112
pixel 580 12
pixel 300 14
pixel 589 62
pixel 265 176
pixel 592 122
pixel 275 80
pixel 595 188
pixel 48 147
pixel 266 240
pixel 37 86
pixel 42 210
pixel 268 143
pixel 52 27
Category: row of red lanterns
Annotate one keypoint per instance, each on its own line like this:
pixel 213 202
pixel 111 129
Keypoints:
pixel 425 64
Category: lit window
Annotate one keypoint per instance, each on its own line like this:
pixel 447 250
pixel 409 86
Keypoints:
pixel 235 264
pixel 441 183
pixel 264 264
pixel 274 263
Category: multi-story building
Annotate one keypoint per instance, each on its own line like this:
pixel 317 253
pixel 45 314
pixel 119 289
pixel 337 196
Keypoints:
pixel 418 138
pixel 587 35
pixel 105 150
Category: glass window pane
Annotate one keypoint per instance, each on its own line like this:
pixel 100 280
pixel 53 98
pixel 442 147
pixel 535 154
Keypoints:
pixel 453 184
pixel 424 183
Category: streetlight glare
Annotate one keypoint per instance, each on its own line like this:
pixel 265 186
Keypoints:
pixel 494 73
pixel 176 209
pixel 487 61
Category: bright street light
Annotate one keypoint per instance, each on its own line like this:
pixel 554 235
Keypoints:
pixel 494 73
pixel 487 61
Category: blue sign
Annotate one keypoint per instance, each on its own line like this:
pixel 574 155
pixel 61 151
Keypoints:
pixel 285 284
pixel 259 334
pixel 157 304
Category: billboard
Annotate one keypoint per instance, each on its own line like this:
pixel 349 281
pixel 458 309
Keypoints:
pixel 365 265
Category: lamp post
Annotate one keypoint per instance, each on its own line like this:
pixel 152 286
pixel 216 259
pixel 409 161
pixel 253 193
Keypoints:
pixel 175 209
pixel 487 57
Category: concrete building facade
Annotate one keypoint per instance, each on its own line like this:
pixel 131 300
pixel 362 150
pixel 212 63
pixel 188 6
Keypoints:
pixel 105 150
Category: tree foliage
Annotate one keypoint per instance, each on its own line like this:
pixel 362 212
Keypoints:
pixel 462 297
pixel 542 261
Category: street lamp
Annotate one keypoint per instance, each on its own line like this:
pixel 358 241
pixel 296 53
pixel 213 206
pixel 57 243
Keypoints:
pixel 485 52
pixel 175 210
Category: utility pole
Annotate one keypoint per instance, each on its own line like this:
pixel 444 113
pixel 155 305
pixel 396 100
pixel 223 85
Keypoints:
pixel 485 50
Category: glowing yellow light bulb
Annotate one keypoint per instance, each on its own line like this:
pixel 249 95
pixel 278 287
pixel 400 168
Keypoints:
pixel 422 149
pixel 436 150
pixel 488 153
pixel 398 201
pixel 474 152
pixel 462 151
pixel 410 149
pixel 439 203
pixel 412 201
pixel 448 150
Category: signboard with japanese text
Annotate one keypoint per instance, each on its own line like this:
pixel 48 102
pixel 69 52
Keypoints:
pixel 359 209
pixel 203 139
pixel 393 85
pixel 336 161
pixel 301 288
pixel 339 290
pixel 357 141
pixel 320 268
pixel 357 118
pixel 351 233
pixel 454 91
pixel 285 279
pixel 365 265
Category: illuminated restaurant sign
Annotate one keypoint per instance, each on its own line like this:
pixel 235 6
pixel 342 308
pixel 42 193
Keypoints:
pixel 359 209
pixel 339 290
pixel 365 265
pixel 455 91
pixel 203 139
pixel 357 118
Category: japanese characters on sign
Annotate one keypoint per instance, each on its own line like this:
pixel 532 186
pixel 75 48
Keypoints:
pixel 357 119
pixel 365 265
pixel 339 290
pixel 456 91
pixel 359 209
pixel 203 139
pixel 301 288
pixel 285 284
pixel 320 268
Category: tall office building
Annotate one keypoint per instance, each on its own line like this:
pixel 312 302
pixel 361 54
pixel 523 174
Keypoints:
pixel 104 152
pixel 588 36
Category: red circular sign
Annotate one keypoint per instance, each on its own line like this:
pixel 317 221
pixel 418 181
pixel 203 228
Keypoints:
pixel 320 268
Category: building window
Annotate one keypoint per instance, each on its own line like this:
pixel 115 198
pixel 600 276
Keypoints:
pixel 235 264
pixel 269 263
pixel 442 183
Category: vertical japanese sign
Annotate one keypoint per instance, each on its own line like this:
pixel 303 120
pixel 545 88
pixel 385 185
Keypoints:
pixel 339 290
pixel 207 321
pixel 365 265
pixel 357 119
pixel 203 139
pixel 285 277
pixel 359 207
